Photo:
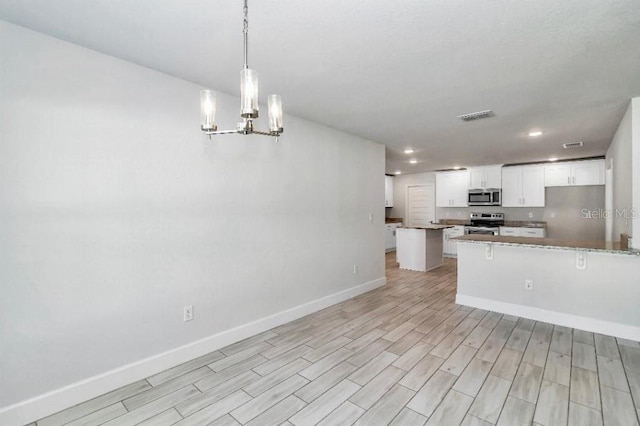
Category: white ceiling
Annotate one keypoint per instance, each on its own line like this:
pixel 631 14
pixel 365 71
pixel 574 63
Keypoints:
pixel 396 72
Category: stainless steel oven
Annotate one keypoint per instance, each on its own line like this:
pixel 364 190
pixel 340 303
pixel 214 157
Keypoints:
pixel 482 230
pixel 485 197
pixel 485 223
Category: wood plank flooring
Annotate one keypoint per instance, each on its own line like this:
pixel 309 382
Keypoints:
pixel 404 354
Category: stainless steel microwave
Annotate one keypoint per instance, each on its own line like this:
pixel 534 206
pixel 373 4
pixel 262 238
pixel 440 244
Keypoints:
pixel 485 197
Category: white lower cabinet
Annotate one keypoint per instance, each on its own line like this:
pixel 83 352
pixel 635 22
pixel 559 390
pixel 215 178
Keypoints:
pixel 450 247
pixel 513 231
pixel 390 235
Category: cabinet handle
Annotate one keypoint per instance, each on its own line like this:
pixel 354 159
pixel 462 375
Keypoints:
pixel 569 180
pixel 523 201
pixel 574 180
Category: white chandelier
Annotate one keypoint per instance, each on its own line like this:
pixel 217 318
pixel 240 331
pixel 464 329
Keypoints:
pixel 248 101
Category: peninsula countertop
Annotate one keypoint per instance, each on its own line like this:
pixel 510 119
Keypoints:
pixel 554 243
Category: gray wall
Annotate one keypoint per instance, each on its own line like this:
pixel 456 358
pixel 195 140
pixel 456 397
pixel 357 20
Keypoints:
pixel 116 211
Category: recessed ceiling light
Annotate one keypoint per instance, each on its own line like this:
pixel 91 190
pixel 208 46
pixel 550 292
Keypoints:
pixel 408 151
pixel 456 168
pixel 398 172
pixel 413 161
pixel 553 159
pixel 534 134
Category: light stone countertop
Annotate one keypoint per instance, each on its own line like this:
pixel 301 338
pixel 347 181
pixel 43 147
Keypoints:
pixel 552 243
pixel 509 223
pixel 433 227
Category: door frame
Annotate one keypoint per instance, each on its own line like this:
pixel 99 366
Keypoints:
pixel 608 201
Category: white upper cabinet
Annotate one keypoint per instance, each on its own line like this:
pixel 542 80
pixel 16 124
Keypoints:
pixel 523 186
pixel 511 186
pixel 574 173
pixel 485 177
pixel 452 188
pixel 388 191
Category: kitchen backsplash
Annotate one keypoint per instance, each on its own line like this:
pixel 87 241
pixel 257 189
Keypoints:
pixel 564 212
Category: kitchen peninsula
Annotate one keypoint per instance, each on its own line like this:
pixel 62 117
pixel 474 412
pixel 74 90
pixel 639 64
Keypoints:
pixel 420 249
pixel 588 285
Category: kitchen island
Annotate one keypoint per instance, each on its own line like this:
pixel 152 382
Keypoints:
pixel 588 285
pixel 420 249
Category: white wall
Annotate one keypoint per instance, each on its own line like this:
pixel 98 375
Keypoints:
pixel 116 211
pixel 619 155
pixel 635 164
pixel 561 294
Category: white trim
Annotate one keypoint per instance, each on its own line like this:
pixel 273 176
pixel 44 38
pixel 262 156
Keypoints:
pixel 51 402
pixel 567 320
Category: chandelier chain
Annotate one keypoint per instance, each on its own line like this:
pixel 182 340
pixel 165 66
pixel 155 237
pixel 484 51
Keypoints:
pixel 246 17
pixel 246 34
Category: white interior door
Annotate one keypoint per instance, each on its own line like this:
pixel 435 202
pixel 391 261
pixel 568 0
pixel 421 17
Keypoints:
pixel 420 205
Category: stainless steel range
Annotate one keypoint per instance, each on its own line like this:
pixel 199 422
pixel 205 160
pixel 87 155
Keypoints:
pixel 485 223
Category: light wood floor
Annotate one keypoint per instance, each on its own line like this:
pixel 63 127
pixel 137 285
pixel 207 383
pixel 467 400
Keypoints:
pixel 404 354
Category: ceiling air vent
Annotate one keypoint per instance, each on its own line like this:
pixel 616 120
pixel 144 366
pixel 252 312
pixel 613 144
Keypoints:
pixel 572 145
pixel 476 115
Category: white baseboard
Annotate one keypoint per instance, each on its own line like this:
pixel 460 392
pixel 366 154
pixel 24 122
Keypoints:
pixel 51 402
pixel 567 320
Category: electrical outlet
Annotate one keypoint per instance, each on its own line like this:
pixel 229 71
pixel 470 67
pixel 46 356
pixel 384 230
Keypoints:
pixel 530 215
pixel 355 269
pixel 370 217
pixel 553 215
pixel 488 252
pixel 188 313
pixel 528 284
